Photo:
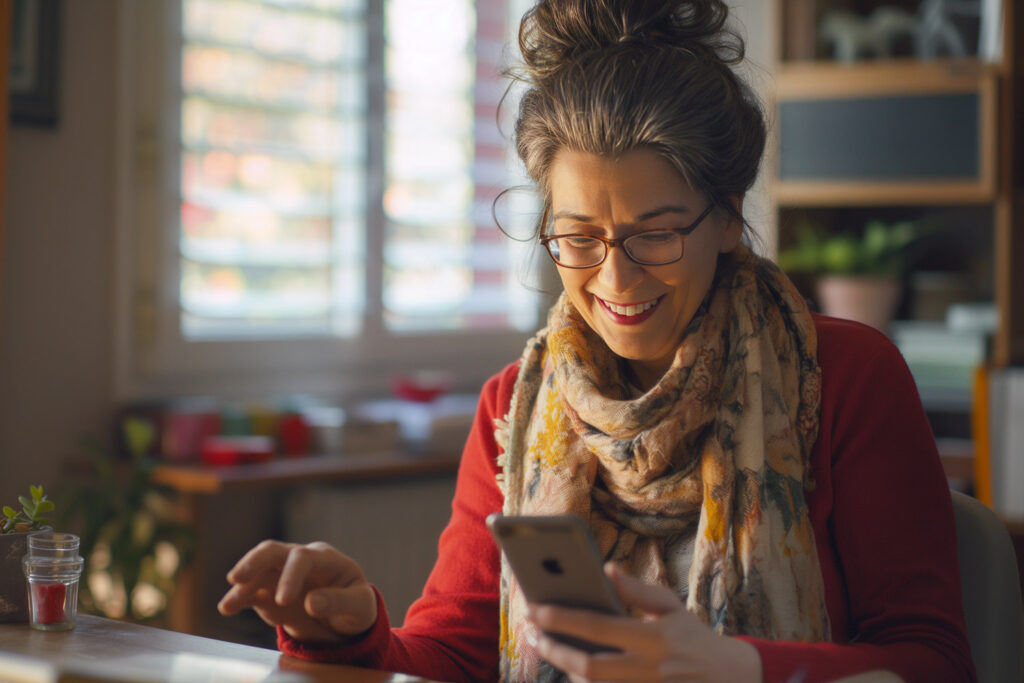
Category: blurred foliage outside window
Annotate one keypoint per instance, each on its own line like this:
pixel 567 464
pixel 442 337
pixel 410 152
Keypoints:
pixel 277 163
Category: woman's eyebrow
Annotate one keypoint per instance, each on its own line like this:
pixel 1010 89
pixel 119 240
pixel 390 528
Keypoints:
pixel 653 213
pixel 661 210
pixel 573 216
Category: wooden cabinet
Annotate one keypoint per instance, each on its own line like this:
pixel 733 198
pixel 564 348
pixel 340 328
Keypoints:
pixel 899 138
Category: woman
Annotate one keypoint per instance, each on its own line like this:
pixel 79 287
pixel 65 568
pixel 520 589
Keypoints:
pixel 762 480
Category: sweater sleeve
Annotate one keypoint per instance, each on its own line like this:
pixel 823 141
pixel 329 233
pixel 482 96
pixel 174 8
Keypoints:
pixel 891 529
pixel 451 632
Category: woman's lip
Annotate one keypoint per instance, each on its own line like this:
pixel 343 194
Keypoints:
pixel 630 319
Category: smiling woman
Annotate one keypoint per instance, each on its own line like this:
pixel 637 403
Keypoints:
pixel 762 480
pixel 640 311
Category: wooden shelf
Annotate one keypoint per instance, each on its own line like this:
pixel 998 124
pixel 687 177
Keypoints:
pixel 206 480
pixel 883 77
pixel 814 194
pixel 819 104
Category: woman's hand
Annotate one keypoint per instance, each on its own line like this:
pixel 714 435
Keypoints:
pixel 313 591
pixel 667 644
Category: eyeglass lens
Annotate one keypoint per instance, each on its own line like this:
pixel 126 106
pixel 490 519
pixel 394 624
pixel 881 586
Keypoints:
pixel 649 248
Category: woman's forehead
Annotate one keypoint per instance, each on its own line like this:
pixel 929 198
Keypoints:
pixel 639 186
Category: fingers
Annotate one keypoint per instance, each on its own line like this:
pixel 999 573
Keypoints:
pixel 670 643
pixel 298 564
pixel 266 555
pixel 327 602
pixel 349 610
pixel 624 633
pixel 256 571
pixel 604 666
pixel 312 590
pixel 289 567
pixel 236 599
pixel 245 593
pixel 647 597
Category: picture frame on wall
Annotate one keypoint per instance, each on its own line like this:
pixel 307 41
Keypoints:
pixel 33 64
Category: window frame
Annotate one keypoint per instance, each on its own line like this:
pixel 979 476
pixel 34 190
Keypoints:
pixel 152 359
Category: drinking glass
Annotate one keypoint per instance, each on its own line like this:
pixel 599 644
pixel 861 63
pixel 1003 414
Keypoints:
pixel 53 568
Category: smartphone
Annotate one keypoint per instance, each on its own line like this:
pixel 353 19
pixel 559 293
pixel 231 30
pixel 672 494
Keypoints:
pixel 556 561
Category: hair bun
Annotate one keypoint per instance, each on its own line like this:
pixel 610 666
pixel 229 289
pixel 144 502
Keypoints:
pixel 554 32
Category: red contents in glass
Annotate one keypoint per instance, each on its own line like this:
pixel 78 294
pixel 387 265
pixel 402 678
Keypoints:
pixel 48 599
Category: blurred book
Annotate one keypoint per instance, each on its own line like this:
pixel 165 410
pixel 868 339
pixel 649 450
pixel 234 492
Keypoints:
pixel 1006 441
pixel 973 317
pixel 942 359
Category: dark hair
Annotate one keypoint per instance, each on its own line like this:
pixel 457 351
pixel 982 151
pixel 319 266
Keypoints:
pixel 610 76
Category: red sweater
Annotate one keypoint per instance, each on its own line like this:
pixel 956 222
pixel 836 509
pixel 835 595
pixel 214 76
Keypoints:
pixel 882 519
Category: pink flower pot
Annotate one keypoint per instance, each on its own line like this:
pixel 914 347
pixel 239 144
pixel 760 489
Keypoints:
pixel 869 299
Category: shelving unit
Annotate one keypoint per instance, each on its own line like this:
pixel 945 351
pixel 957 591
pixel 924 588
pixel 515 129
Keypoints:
pixel 832 166
pixel 940 142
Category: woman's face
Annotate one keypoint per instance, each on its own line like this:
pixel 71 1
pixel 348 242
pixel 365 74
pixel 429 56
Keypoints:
pixel 616 198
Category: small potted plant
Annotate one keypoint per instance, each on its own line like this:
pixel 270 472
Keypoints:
pixel 857 276
pixel 15 526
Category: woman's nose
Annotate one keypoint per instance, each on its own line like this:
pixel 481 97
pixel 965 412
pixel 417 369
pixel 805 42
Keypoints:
pixel 619 272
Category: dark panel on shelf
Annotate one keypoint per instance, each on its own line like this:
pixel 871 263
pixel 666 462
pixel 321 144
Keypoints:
pixel 905 137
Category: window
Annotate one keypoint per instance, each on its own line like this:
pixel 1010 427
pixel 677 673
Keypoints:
pixel 306 195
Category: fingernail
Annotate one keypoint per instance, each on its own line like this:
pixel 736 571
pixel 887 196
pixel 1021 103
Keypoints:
pixel 318 603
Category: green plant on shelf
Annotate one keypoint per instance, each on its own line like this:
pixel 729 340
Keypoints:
pixel 133 546
pixel 881 250
pixel 30 517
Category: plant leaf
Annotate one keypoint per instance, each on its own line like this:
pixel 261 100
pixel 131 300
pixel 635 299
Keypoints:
pixel 37 492
pixel 9 511
pixel 44 506
pixel 139 434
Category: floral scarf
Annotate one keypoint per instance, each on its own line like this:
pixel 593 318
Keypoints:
pixel 713 460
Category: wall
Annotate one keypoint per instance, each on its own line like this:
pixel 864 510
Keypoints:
pixel 755 24
pixel 56 312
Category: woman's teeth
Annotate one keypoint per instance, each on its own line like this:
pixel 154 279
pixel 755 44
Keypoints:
pixel 633 309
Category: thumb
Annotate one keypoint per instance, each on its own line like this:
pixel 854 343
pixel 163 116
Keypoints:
pixel 350 610
pixel 646 597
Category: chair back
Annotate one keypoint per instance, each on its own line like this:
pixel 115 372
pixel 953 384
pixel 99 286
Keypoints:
pixel 991 591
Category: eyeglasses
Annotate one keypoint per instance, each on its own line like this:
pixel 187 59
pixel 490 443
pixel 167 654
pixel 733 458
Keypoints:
pixel 651 248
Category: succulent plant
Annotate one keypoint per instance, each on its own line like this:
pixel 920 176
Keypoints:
pixel 880 250
pixel 30 517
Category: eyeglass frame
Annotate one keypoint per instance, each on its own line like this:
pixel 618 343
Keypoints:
pixel 620 241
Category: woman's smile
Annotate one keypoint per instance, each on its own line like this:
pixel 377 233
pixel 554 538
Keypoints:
pixel 630 314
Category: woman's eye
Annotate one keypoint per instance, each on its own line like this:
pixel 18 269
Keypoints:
pixel 658 237
pixel 580 242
